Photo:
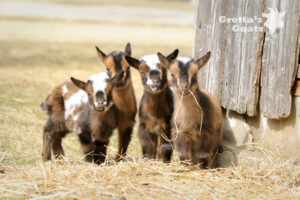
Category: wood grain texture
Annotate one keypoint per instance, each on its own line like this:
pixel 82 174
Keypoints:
pixel 209 36
pixel 280 62
pixel 234 68
pixel 242 65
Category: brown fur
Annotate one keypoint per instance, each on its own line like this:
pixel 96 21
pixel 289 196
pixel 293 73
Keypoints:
pixel 123 96
pixel 198 147
pixel 199 132
pixel 55 128
pixel 155 117
pixel 155 110
pixel 124 99
pixel 95 127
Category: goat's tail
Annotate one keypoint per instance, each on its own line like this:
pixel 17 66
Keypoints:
pixel 42 106
pixel 45 104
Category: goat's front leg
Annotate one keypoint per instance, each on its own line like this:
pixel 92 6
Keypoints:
pixel 148 142
pixel 100 150
pixel 57 148
pixel 124 139
pixel 47 140
pixel 46 146
pixel 203 159
pixel 184 146
pixel 86 146
pixel 166 148
pixel 204 153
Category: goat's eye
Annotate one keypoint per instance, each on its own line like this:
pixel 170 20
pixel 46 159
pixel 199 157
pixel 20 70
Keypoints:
pixel 173 76
pixel 108 69
pixel 143 73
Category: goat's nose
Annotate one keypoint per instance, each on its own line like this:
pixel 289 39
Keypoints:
pixel 101 103
pixel 184 87
pixel 155 81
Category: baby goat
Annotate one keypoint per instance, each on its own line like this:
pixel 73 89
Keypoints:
pixel 85 108
pixel 197 129
pixel 156 107
pixel 123 95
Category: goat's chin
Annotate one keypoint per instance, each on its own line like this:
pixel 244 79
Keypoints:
pixel 122 83
pixel 184 93
pixel 104 109
pixel 154 90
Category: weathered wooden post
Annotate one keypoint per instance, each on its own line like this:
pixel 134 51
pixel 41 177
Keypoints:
pixel 254 62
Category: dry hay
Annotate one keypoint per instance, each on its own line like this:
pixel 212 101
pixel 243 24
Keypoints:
pixel 271 177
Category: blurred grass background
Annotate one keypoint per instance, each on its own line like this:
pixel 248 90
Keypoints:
pixel 38 52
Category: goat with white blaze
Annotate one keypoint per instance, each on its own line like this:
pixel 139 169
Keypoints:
pixel 85 108
pixel 156 107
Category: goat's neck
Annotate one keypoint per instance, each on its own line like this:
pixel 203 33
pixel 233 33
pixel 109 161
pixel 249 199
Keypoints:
pixel 124 97
pixel 156 98
pixel 155 101
pixel 191 102
pixel 100 115
pixel 124 87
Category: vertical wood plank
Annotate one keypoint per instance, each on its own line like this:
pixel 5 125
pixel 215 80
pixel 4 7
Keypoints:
pixel 280 61
pixel 242 64
pixel 209 36
pixel 234 68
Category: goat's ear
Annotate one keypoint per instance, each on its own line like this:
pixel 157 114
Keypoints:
pixel 128 49
pixel 173 55
pixel 80 84
pixel 203 60
pixel 100 54
pixel 163 60
pixel 133 62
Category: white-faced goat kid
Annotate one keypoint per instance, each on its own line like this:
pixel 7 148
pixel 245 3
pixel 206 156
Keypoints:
pixel 197 117
pixel 85 108
pixel 156 107
pixel 123 95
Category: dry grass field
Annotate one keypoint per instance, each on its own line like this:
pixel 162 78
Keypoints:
pixel 38 53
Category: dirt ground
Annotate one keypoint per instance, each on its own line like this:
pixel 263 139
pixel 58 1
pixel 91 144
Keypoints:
pixel 43 43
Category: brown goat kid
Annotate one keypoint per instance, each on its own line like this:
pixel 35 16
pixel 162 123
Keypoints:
pixel 156 107
pixel 85 108
pixel 197 129
pixel 123 95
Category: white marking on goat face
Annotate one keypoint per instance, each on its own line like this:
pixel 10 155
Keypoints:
pixel 104 103
pixel 184 59
pixel 64 90
pixel 152 62
pixel 149 81
pixel 99 82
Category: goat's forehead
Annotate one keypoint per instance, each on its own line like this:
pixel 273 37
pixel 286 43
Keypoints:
pixel 117 55
pixel 115 60
pixel 99 82
pixel 178 67
pixel 184 59
pixel 151 61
